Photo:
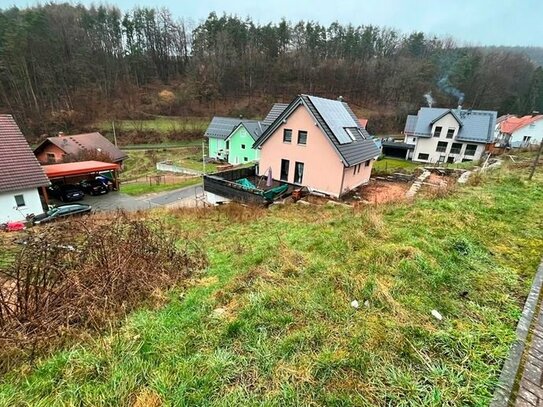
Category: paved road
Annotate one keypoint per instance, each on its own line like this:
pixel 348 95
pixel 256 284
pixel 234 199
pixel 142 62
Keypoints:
pixel 117 200
pixel 172 197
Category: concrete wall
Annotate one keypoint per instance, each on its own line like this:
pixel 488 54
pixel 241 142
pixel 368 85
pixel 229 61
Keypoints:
pixel 428 145
pixel 238 155
pixel 323 168
pixel 8 207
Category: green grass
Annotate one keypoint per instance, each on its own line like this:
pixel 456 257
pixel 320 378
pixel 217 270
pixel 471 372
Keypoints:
pixel 390 165
pixel 168 144
pixel 142 188
pixel 164 125
pixel 283 280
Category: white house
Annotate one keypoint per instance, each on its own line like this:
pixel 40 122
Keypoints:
pixel 440 135
pixel 519 132
pixel 20 174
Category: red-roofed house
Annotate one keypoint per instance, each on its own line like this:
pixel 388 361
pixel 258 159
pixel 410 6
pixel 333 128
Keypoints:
pixel 519 132
pixel 20 174
pixel 80 147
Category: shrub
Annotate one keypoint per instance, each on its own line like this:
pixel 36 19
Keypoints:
pixel 83 275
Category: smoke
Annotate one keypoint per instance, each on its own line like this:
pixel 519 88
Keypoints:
pixel 445 85
pixel 429 99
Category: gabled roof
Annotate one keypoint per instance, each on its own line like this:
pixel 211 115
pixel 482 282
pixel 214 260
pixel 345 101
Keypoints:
pixel 503 118
pixel 453 113
pixel 275 111
pixel 476 125
pixel 512 124
pixel 254 127
pixel 78 143
pixel 221 127
pixel 19 168
pixel 333 117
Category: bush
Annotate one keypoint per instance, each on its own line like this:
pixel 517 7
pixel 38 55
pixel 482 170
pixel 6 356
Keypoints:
pixel 83 275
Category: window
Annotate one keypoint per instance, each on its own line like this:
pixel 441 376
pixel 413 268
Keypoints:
pixel 302 137
pixel 243 146
pixel 245 159
pixel 287 135
pixel 456 148
pixel 450 133
pixel 470 149
pixel 367 164
pixel 450 160
pixel 227 144
pixel 51 158
pixel 284 169
pixel 19 200
pixel 356 169
pixel 526 139
pixel 298 172
pixel 423 156
pixel 437 131
pixel 442 146
pixel 353 132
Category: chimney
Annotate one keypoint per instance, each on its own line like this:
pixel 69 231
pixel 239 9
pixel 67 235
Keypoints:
pixel 459 107
pixel 61 134
pixel 340 98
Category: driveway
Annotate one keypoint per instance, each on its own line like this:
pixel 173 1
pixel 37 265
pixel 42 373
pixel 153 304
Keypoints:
pixel 117 200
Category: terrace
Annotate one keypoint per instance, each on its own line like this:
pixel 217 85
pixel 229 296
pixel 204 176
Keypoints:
pixel 245 185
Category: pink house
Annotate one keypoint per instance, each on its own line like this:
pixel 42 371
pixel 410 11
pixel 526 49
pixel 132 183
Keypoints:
pixel 318 143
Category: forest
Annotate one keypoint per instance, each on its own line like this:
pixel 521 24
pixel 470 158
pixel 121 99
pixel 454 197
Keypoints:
pixel 65 66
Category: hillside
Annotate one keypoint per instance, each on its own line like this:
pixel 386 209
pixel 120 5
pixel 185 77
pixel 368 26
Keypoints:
pixel 269 321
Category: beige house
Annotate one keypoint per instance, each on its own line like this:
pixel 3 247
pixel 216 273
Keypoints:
pixel 317 143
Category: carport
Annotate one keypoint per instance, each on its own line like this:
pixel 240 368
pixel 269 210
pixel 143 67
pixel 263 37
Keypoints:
pixel 80 170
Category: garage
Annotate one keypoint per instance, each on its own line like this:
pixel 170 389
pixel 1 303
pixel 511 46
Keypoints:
pixel 72 173
pixel 397 149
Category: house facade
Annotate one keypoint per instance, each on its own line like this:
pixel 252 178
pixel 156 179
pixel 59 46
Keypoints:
pixel 231 139
pixel 519 132
pixel 241 140
pixel 20 174
pixel 79 147
pixel 317 143
pixel 440 135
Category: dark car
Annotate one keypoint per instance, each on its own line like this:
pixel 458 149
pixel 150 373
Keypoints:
pixel 93 187
pixel 66 192
pixel 62 211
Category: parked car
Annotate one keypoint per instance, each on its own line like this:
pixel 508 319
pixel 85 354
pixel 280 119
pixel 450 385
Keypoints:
pixel 62 211
pixel 66 192
pixel 93 187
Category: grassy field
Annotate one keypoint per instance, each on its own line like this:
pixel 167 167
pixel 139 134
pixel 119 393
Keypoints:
pixel 270 321
pixel 165 125
pixel 390 165
pixel 142 188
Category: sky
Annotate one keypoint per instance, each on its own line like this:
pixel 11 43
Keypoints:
pixel 471 22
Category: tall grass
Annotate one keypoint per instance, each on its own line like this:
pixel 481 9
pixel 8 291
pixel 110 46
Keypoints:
pixel 271 323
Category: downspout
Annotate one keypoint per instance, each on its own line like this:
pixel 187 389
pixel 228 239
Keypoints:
pixel 342 180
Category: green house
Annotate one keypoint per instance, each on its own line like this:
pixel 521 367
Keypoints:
pixel 240 142
pixel 217 132
pixel 231 139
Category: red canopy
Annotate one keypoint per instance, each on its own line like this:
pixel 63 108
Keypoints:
pixel 79 168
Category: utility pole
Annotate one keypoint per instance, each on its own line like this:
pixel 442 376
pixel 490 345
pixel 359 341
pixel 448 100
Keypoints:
pixel 536 161
pixel 114 134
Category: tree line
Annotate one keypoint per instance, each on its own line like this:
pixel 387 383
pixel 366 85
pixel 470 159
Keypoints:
pixel 63 65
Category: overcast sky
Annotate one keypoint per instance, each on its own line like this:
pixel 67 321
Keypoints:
pixel 477 22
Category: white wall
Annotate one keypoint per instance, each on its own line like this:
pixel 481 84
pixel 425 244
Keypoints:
pixel 428 145
pixel 534 131
pixel 10 212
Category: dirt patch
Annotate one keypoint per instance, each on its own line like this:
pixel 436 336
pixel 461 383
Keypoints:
pixel 382 192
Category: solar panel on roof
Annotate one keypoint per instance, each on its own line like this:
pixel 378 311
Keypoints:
pixel 336 117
